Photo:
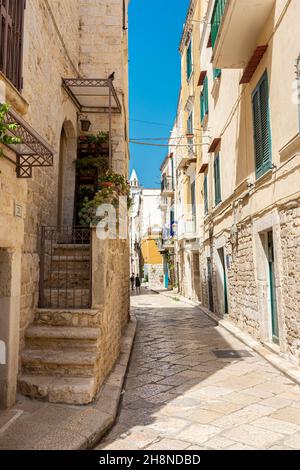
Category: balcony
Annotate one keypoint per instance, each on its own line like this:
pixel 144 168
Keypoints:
pixel 235 29
pixel 167 186
pixel 166 241
pixel 163 203
pixel 189 156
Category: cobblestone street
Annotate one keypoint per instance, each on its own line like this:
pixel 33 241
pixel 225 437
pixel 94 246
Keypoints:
pixel 180 395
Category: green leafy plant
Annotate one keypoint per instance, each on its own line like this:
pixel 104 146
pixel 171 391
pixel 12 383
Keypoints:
pixel 5 136
pixel 106 195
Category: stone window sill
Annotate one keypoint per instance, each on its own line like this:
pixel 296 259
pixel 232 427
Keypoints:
pixel 13 97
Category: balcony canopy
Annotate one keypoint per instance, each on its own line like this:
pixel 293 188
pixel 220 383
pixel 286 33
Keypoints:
pixel 93 95
pixel 32 151
pixel 238 31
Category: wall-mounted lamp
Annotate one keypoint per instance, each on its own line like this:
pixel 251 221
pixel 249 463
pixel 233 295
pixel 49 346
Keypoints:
pixel 85 123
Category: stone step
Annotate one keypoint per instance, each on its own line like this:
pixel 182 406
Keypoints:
pixel 68 279
pixel 66 298
pixel 70 263
pixel 71 390
pixel 60 362
pixel 65 317
pixel 62 337
pixel 71 250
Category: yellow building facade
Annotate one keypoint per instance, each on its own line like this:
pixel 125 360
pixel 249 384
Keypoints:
pixel 240 79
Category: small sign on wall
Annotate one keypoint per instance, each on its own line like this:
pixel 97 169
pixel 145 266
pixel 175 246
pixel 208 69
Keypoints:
pixel 18 211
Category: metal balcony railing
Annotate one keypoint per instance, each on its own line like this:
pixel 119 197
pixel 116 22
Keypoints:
pixel 65 268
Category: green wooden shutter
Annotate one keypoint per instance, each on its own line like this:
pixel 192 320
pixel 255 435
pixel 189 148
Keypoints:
pixel 216 20
pixel 261 125
pixel 205 190
pixel 204 103
pixel 217 177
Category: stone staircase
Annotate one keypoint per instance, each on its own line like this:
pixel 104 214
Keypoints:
pixel 61 358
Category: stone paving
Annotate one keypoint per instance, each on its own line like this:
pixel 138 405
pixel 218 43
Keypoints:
pixel 179 395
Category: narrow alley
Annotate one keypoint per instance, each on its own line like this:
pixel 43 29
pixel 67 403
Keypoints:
pixel 181 393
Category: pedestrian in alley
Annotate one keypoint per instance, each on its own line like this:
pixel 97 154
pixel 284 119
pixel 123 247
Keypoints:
pixel 138 284
pixel 132 281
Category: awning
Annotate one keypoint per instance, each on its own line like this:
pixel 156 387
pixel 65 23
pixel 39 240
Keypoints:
pixel 93 95
pixel 33 151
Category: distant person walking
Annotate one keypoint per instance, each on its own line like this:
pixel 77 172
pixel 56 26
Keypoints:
pixel 138 284
pixel 132 279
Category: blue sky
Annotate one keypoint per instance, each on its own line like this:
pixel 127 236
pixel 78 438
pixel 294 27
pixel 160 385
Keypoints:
pixel 155 28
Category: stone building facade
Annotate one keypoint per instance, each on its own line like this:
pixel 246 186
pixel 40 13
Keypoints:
pixel 80 39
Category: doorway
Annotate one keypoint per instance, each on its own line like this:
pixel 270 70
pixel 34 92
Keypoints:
pixel 223 280
pixel 210 285
pixel 66 175
pixel 196 270
pixel 272 300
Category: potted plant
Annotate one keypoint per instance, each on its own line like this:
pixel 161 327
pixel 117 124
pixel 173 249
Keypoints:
pixel 5 137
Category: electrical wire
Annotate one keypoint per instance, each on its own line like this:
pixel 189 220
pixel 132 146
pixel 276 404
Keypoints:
pixel 167 145
pixel 164 125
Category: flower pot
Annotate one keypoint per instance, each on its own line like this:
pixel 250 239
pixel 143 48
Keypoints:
pixel 107 184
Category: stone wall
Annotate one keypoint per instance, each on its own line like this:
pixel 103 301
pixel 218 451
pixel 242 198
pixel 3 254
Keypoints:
pixel 242 282
pixel 62 39
pixel 56 24
pixel 103 50
pixel 290 242
pixel 110 270
pixel 247 278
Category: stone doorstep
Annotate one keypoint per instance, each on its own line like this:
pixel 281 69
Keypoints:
pixel 284 366
pixel 62 337
pixel 105 407
pixel 59 363
pixel 72 390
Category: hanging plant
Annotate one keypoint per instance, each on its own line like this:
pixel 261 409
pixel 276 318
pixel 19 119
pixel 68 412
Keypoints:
pixel 95 139
pixel 5 137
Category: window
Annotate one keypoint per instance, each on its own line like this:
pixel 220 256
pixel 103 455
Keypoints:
pixel 189 65
pixel 190 124
pixel 217 177
pixel 205 194
pixel 11 40
pixel 190 132
pixel 217 19
pixel 261 125
pixel 204 99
